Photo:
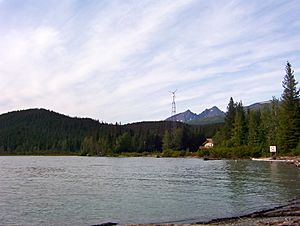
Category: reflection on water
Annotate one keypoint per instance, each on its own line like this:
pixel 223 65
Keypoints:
pixel 83 191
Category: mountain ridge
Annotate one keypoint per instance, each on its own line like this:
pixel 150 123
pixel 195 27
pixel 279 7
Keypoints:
pixel 189 116
pixel 211 115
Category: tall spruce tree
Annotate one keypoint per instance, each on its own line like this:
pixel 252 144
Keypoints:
pixel 239 126
pixel 229 119
pixel 167 141
pixel 254 128
pixel 224 136
pixel 270 123
pixel 289 117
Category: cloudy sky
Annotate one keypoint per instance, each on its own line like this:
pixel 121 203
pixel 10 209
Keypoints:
pixel 116 60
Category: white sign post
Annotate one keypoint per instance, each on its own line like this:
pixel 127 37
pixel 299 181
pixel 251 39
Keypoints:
pixel 273 149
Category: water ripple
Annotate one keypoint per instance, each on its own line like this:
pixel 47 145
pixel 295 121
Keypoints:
pixel 81 191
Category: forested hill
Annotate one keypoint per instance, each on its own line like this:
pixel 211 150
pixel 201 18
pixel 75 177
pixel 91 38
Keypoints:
pixel 40 131
pixel 34 130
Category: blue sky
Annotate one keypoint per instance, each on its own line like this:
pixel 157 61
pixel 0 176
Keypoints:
pixel 116 60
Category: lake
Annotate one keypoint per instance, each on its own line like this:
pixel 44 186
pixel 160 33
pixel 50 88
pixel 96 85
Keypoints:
pixel 47 190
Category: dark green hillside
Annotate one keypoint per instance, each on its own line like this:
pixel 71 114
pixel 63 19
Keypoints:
pixel 207 121
pixel 40 131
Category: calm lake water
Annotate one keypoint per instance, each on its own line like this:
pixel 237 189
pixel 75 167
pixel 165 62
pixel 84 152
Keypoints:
pixel 85 191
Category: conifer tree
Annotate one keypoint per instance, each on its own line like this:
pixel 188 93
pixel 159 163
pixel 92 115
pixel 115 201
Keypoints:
pixel 177 139
pixel 167 140
pixel 123 143
pixel 239 126
pixel 229 118
pixel 289 116
pixel 270 123
pixel 254 129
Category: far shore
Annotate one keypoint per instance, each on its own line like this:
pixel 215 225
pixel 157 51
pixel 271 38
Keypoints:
pixel 295 160
pixel 283 158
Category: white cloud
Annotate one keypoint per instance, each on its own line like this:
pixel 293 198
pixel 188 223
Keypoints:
pixel 116 61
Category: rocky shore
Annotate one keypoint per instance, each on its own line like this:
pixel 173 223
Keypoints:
pixel 291 160
pixel 285 215
pixel 295 160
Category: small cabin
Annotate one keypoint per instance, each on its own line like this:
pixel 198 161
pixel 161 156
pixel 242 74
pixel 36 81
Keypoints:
pixel 207 144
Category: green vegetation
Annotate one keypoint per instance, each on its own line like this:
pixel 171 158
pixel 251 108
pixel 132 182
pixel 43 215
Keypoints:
pixel 207 121
pixel 43 132
pixel 251 132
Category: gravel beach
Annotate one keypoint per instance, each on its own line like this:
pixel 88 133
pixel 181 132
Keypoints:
pixel 285 215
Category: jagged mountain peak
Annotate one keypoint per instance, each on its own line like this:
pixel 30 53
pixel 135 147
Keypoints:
pixel 188 115
pixel 214 111
pixel 215 108
pixel 183 116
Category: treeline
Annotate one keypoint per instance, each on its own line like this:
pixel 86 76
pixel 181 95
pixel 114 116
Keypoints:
pixel 251 132
pixel 147 137
pixel 39 131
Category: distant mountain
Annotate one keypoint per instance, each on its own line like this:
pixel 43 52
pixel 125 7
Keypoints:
pixel 258 105
pixel 212 112
pixel 208 116
pixel 183 117
pixel 212 115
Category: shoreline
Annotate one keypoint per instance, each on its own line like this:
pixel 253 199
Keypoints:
pixel 288 215
pixel 295 160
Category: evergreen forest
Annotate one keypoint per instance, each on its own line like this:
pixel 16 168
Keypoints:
pixel 251 132
pixel 40 131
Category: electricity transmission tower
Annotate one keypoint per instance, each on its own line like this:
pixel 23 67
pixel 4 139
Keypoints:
pixel 173 103
pixel 173 108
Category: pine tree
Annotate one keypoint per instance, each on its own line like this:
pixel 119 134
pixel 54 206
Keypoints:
pixel 254 129
pixel 239 126
pixel 289 116
pixel 270 123
pixel 177 139
pixel 173 140
pixel 223 136
pixel 229 119
pixel 167 140
pixel 123 143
